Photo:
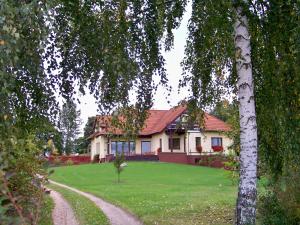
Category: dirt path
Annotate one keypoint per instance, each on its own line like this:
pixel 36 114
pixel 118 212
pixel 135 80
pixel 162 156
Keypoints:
pixel 116 215
pixel 62 213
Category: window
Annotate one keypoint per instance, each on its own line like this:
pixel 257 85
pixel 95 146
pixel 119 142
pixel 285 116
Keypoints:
pixel 113 147
pixel 174 143
pixel 107 145
pixel 146 146
pixel 216 141
pixel 122 146
pixel 132 146
pixel 119 147
pixel 198 141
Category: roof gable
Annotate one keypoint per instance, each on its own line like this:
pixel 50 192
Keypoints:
pixel 158 120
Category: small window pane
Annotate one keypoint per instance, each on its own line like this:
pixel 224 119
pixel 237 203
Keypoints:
pixel 113 147
pixel 174 143
pixel 198 141
pixel 119 146
pixel 216 141
pixel 146 146
pixel 125 147
pixel 132 146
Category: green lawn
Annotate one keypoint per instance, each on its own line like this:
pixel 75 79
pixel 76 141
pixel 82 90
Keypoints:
pixel 86 212
pixel 159 193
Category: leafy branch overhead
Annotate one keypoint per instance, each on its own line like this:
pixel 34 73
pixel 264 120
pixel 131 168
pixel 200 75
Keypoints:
pixel 122 51
pixel 113 49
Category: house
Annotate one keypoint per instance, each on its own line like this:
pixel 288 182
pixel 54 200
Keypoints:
pixel 162 133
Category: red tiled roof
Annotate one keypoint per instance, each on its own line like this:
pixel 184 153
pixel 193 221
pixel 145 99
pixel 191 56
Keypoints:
pixel 158 120
pixel 104 123
pixel 212 123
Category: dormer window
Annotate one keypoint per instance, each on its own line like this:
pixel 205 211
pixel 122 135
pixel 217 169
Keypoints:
pixel 184 118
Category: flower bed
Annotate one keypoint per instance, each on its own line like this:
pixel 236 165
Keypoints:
pixel 199 148
pixel 217 148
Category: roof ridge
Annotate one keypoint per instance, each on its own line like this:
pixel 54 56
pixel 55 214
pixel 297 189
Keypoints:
pixel 158 110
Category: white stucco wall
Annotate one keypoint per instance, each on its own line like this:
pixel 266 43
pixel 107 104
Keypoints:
pixel 155 143
pixel 206 141
pixel 101 142
pixel 165 142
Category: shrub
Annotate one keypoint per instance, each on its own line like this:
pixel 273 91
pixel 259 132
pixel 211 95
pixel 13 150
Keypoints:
pixel 159 150
pixel 21 177
pixel 210 160
pixel 232 165
pixel 199 148
pixel 270 210
pixel 119 164
pixel 69 162
pixel 96 158
pixel 57 161
pixel 280 203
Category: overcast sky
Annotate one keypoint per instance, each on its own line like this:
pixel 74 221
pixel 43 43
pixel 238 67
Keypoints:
pixel 173 58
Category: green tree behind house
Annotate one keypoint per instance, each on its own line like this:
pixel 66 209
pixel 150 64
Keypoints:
pixel 228 112
pixel 87 131
pixel 69 125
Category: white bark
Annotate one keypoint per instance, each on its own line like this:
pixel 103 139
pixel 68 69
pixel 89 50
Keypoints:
pixel 246 202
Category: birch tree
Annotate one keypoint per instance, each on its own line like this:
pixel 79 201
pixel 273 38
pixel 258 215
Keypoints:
pixel 246 202
pixel 211 52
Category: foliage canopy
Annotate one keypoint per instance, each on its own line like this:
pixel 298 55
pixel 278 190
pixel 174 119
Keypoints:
pixel 114 47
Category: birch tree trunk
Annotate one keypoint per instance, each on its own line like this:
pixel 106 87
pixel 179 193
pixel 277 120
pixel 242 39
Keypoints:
pixel 246 202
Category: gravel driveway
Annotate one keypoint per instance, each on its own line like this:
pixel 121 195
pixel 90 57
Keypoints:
pixel 62 213
pixel 116 215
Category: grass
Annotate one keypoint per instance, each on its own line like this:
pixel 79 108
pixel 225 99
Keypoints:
pixel 159 193
pixel 86 212
pixel 46 213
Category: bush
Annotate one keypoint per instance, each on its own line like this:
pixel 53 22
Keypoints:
pixel 57 161
pixel 96 158
pixel 69 162
pixel 158 150
pixel 270 210
pixel 199 148
pixel 280 203
pixel 21 177
pixel 232 165
pixel 119 164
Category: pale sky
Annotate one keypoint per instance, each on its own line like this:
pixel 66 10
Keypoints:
pixel 173 58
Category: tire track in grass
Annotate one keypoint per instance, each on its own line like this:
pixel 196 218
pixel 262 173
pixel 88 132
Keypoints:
pixel 116 215
pixel 62 213
pixel 86 211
